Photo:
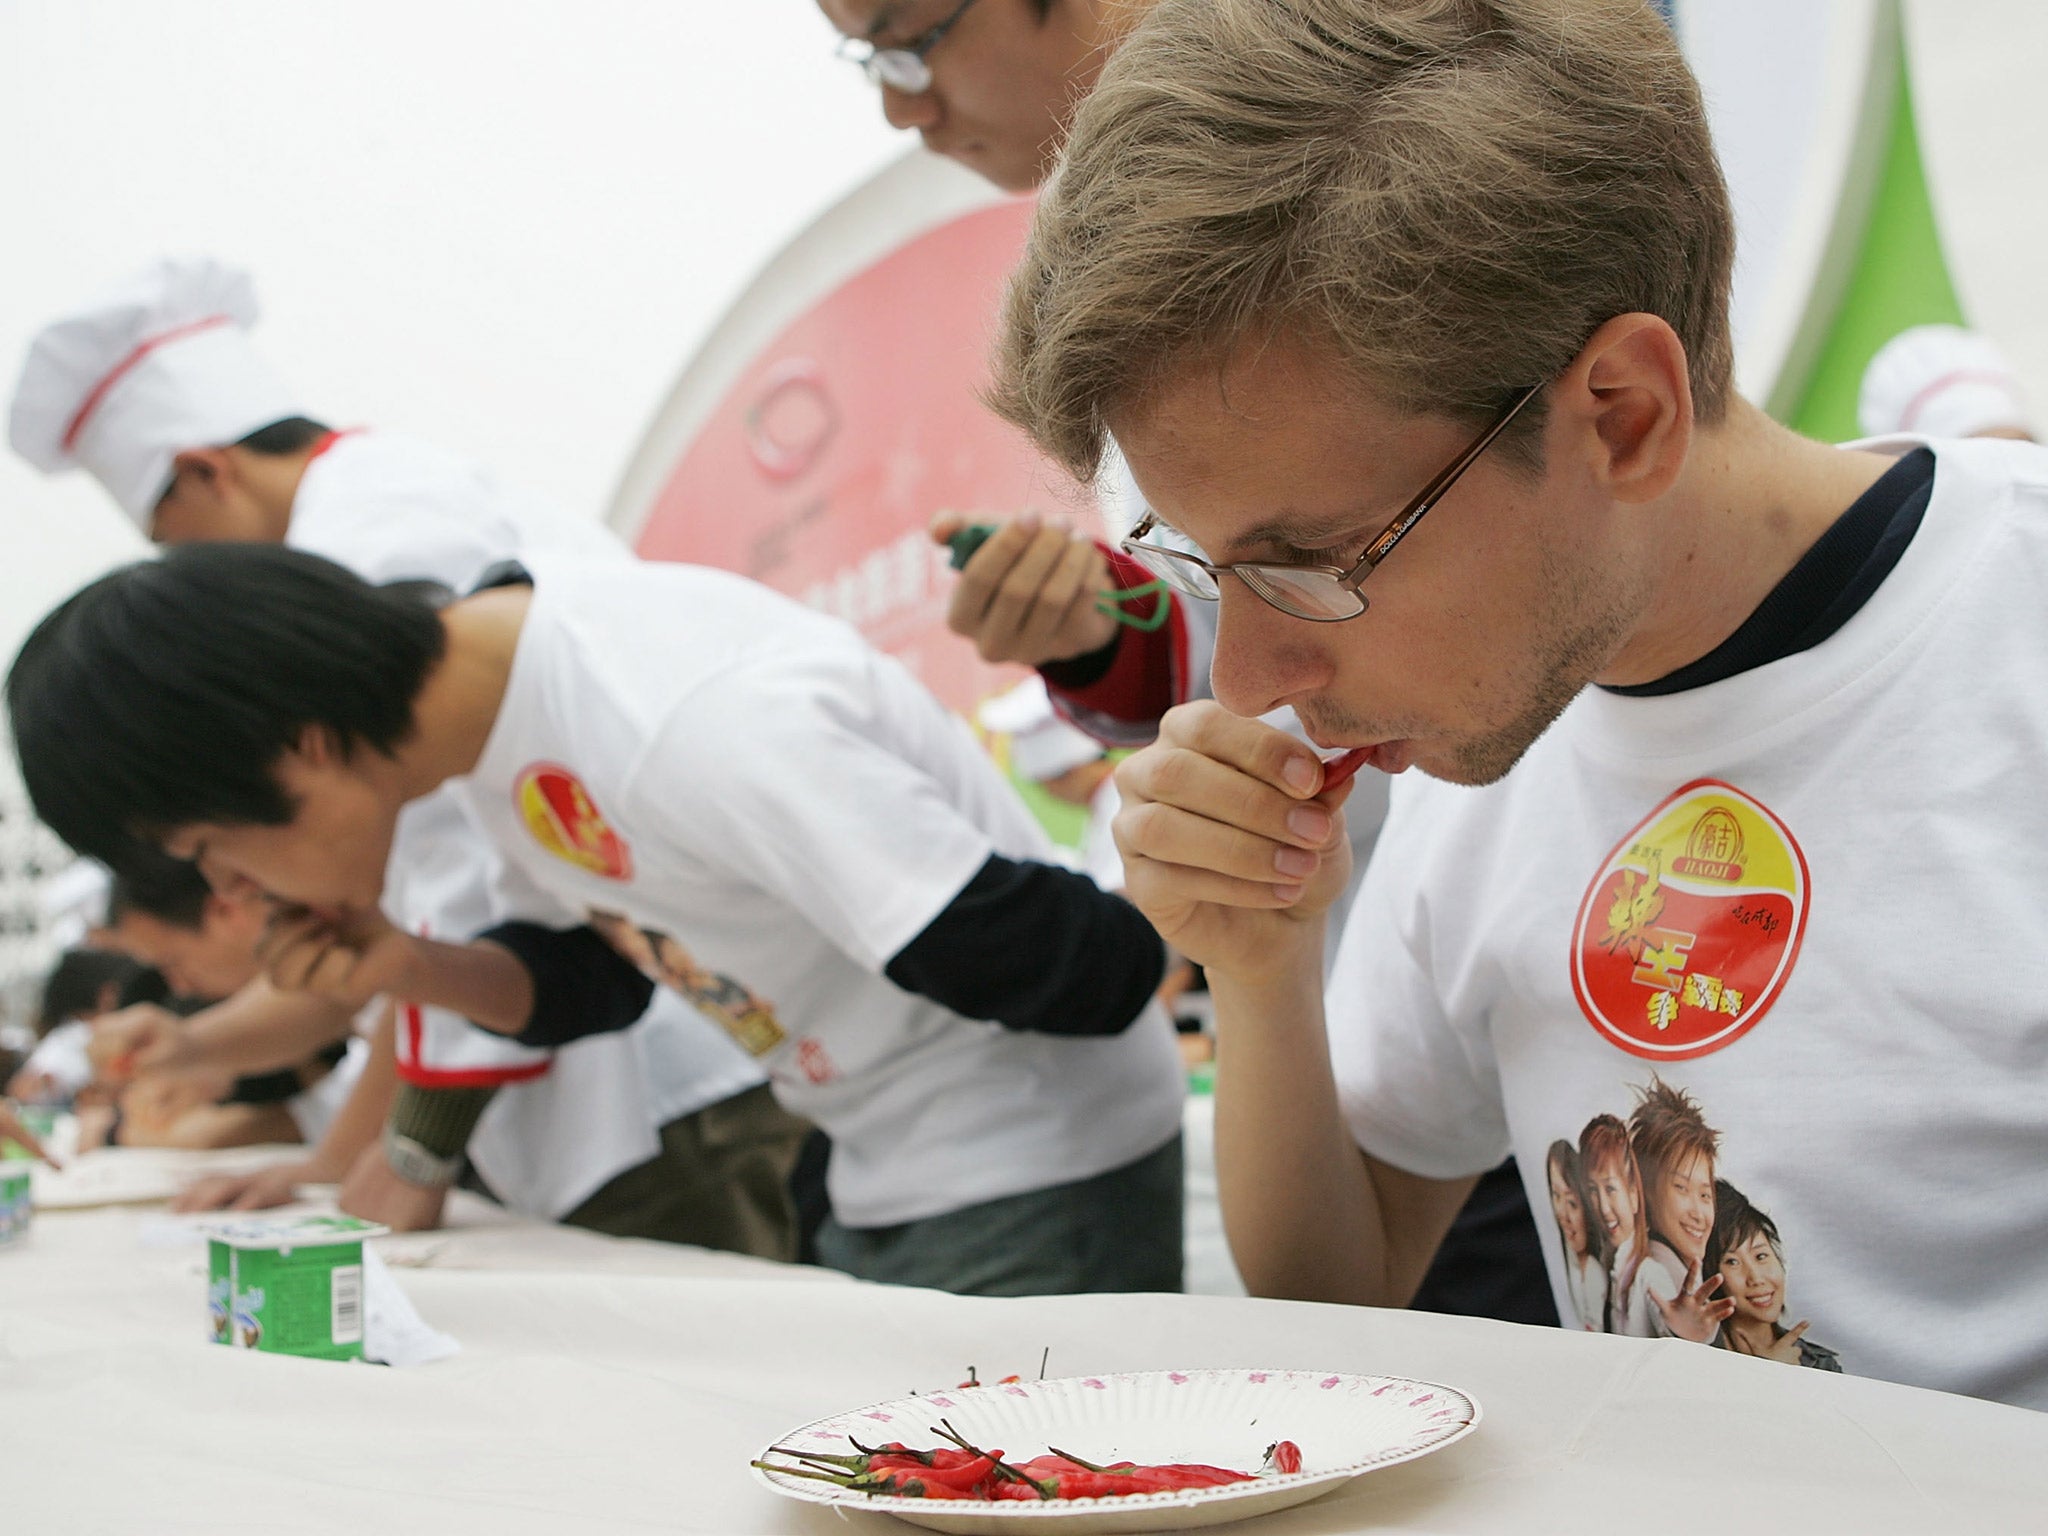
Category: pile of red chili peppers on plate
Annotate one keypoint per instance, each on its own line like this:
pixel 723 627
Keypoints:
pixel 963 1471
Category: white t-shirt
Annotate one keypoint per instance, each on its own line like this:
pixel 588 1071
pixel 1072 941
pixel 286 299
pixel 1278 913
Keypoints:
pixel 564 1121
pixel 1806 896
pixel 1585 1281
pixel 62 1056
pixel 764 811
pixel 392 509
pixel 313 1110
pixel 1099 857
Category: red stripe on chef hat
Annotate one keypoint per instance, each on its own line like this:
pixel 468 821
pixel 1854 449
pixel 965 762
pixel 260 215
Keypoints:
pixel 127 365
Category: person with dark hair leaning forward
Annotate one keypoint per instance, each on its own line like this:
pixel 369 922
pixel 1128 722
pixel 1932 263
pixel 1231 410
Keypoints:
pixel 972 1025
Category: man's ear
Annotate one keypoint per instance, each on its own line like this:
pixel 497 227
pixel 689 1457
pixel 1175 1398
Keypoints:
pixel 319 747
pixel 1631 388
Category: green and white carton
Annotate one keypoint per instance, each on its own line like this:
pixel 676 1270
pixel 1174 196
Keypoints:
pixel 289 1285
pixel 16 1198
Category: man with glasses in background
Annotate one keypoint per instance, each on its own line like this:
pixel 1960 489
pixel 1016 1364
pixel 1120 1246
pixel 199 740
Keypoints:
pixel 994 84
pixel 989 83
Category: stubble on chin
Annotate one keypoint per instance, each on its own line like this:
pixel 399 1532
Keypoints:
pixel 1580 640
pixel 1482 760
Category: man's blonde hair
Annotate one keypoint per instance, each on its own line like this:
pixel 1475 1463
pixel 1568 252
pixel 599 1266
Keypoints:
pixel 1447 196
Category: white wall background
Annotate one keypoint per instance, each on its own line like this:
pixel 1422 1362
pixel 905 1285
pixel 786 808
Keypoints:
pixel 500 224
pixel 1984 134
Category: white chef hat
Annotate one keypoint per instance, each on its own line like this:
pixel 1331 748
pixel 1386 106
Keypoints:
pixel 1042 745
pixel 148 369
pixel 1940 381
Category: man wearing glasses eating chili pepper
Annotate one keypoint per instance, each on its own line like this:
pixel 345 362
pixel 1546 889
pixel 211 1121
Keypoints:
pixel 1717 750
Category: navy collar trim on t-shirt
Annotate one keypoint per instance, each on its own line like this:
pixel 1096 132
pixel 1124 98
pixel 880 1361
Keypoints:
pixel 1824 591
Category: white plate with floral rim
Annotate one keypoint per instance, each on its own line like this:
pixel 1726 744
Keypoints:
pixel 1345 1425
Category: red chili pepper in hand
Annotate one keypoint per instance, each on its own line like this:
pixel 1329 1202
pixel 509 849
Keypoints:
pixel 1341 767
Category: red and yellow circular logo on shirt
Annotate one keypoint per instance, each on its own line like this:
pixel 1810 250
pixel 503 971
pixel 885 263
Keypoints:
pixel 1688 932
pixel 564 820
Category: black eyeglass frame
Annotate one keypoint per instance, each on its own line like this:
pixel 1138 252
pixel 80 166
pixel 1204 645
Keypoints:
pixel 1173 565
pixel 910 59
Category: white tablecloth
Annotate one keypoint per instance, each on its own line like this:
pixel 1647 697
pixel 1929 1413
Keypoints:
pixel 611 1386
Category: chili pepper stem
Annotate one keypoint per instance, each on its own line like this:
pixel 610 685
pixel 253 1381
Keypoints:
pixel 844 1461
pixel 869 1451
pixel 1086 1466
pixel 945 1430
pixel 816 1477
pixel 826 1466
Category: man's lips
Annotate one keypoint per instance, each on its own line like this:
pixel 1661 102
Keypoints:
pixel 1339 768
pixel 1387 756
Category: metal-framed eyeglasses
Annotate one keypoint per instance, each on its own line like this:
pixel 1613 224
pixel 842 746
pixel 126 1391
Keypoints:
pixel 1322 594
pixel 901 69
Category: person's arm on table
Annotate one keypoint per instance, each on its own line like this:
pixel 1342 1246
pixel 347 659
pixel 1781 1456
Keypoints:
pixel 260 1029
pixel 1234 855
pixel 355 1126
pixel 402 1180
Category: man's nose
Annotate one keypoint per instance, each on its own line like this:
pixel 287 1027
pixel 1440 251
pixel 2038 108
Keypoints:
pixel 905 111
pixel 1263 658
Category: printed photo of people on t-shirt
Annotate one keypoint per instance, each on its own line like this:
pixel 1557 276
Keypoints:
pixel 1657 1244
pixel 726 1001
